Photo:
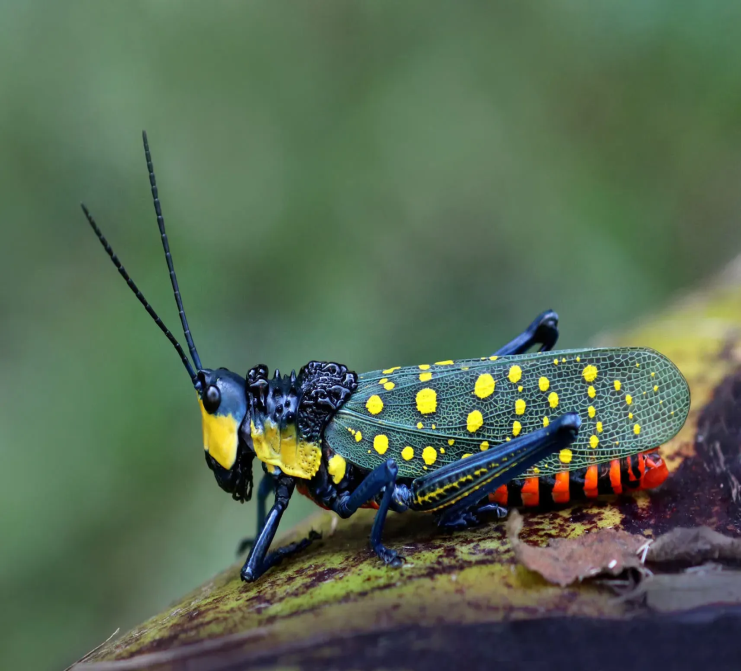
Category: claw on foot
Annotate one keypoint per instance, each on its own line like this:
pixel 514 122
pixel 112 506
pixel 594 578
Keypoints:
pixel 391 557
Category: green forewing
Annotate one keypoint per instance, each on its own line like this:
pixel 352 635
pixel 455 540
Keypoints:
pixel 629 399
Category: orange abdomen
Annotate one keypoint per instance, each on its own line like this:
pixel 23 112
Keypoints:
pixel 639 471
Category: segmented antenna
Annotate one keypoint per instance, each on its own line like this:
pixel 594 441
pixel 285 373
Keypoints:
pixel 139 294
pixel 168 256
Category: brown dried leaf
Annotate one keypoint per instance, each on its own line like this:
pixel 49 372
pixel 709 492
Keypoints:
pixel 695 588
pixel 565 561
pixel 694 546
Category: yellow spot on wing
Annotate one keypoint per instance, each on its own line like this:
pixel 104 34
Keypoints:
pixel 599 427
pixel 514 375
pixel 628 399
pixel 555 361
pixel 444 363
pixel 484 386
pixel 656 387
pixel 474 421
pixel 389 386
pixel 424 366
pixel 637 429
pixel 630 415
pixel 337 467
pixel 520 388
pixel 546 421
pixel 390 370
pixel 358 436
pixel 383 380
pixel 429 455
pixel 553 399
pixel 565 456
pixel 520 406
pixel 493 358
pixel 593 442
pixel 591 411
pixel 381 443
pixel 617 384
pixel 374 404
pixel 451 441
pixel 544 384
pixel 591 392
pixel 485 446
pixel 407 453
pixel 426 401
pixel 516 428
pixel 425 377
pixel 466 455
pixel 590 373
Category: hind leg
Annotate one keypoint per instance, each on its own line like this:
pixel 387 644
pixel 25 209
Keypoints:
pixel 471 516
pixel 543 331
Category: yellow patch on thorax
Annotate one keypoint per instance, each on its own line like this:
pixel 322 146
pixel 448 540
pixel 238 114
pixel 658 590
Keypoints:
pixel 220 437
pixel 337 467
pixel 285 450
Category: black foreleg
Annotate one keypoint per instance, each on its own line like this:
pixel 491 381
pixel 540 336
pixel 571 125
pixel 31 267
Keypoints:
pixel 543 331
pixel 383 476
pixel 257 563
pixel 263 491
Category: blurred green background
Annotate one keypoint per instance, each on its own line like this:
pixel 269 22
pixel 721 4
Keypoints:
pixel 374 183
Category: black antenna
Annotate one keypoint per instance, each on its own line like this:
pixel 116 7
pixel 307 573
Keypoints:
pixel 139 294
pixel 168 256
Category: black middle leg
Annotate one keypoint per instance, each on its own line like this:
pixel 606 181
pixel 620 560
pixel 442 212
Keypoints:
pixel 381 478
pixel 543 331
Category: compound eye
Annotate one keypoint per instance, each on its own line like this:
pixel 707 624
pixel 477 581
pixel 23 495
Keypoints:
pixel 211 399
